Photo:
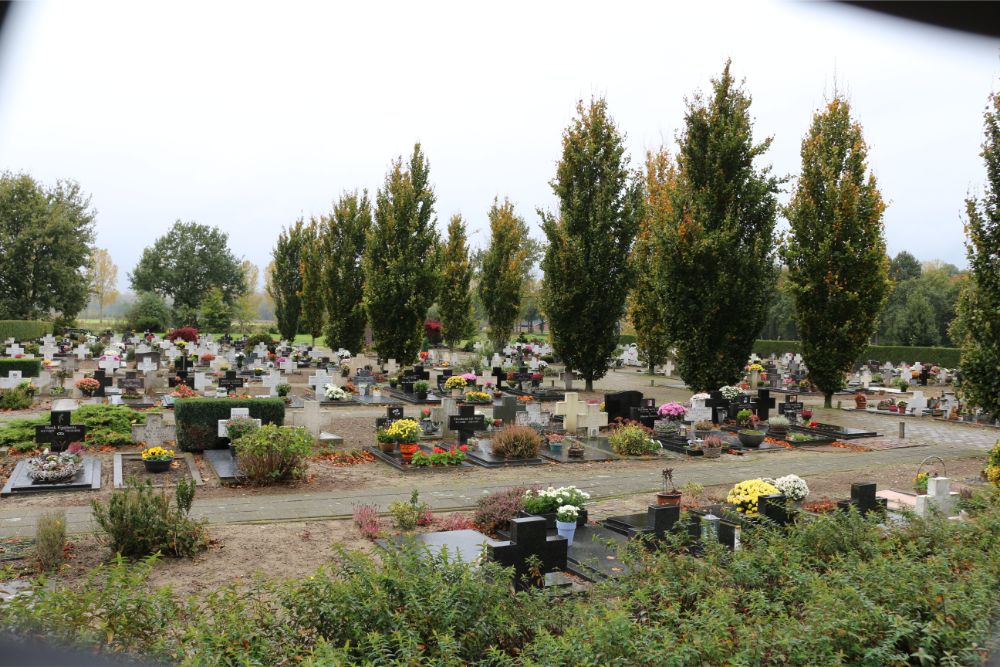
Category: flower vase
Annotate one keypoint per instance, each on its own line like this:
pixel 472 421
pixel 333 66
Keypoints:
pixel 566 529
pixel 556 447
pixel 754 379
pixel 456 393
pixel 407 450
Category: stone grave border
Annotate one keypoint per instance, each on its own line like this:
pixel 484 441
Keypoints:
pixel 398 464
pixel 119 482
pixel 90 462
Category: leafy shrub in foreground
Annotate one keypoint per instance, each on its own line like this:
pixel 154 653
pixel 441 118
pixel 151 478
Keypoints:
pixel 272 453
pixel 17 398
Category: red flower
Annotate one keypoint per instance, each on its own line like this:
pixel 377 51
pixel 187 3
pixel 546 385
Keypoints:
pixel 438 450
pixel 463 448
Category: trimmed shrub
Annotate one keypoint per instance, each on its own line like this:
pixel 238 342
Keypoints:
pixel 24 329
pixel 198 418
pixel 189 334
pixel 273 453
pixel 30 368
pixel 138 522
pixel 495 510
pixel 632 440
pixel 254 339
pixel 516 442
pixel 18 398
pixel 50 540
pixel 19 434
pixel 942 356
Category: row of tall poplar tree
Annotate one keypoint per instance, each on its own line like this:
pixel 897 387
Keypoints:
pixel 686 248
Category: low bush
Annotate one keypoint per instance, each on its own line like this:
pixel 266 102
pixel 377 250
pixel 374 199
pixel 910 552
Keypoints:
pixel 254 340
pixel 367 520
pixel 516 442
pixel 409 515
pixel 187 334
pixel 19 434
pixel 108 424
pixel 495 510
pixel 273 453
pixel 30 368
pixel 632 440
pixel 50 540
pixel 198 418
pixel 139 522
pixel 17 398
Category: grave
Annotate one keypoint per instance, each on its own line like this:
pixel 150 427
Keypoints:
pixel 154 433
pixel 224 465
pixel 12 380
pixel 233 414
pixel 590 453
pixel 833 430
pixel 864 499
pixel 188 468
pixel 230 381
pixel 716 402
pixel 101 376
pixel 14 350
pixel 656 522
pixel 571 408
pixel 59 433
pixel 395 459
pixel 593 419
pixel 645 413
pixel 464 545
pixel 392 413
pixel 507 409
pixel 764 404
pixel 791 407
pixel 271 381
pixel 939 497
pixel 318 382
pixel 620 404
pixel 529 537
pixel 483 456
pixel 466 423
pixel 88 479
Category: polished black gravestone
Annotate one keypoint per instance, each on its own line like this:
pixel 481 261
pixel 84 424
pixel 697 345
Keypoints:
pixel 774 508
pixel 764 404
pixel 443 377
pixel 58 434
pixel 395 459
pixel 224 465
pixel 466 423
pixel 791 407
pixel 484 456
pixel 131 382
pixel 863 498
pixel 102 377
pixel 716 401
pixel 507 410
pixel 230 381
pixel 646 413
pixel 88 479
pixel 620 404
pixel 656 522
pixel 834 431
pixel 180 377
pixel 590 454
pixel 529 537
pixel 392 413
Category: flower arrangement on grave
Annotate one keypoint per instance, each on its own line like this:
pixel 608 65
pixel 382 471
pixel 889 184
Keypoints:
pixel 404 431
pixel 744 496
pixel 729 392
pixel 793 487
pixel 470 378
pixel 237 427
pixel 131 394
pixel 384 440
pixel 547 501
pixel 992 470
pixel 420 387
pixel 423 355
pixel 804 385
pixel 902 384
pixel 920 482
pixel 672 411
pixel 183 391
pixel 157 454
pixel 526 399
pixel 744 417
pixel 711 447
pixel 567 514
pixel 754 368
pixel 455 382
pixel 49 468
pixel 440 457
pixel 334 393
pixel 478 397
pixel 207 357
pixel 88 386
pixel 283 389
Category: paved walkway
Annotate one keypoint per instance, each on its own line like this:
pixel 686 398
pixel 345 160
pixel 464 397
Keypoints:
pixel 924 437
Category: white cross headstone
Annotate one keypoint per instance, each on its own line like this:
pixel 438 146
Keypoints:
pixel 570 409
pixel 496 360
pixel 917 403
pixel 260 350
pixel 142 348
pixel 14 350
pixel 109 366
pixel 699 412
pixel 147 366
pixel 318 381
pixel 81 351
pixel 533 364
pixel 668 368
pixel 567 377
pixel 454 358
pixel 48 351
pixel 200 381
pixel 12 380
pixel 288 365
pixel 233 414
pixel 271 381
pixel 866 377
pixel 593 419
pixel 391 367
pixel 939 495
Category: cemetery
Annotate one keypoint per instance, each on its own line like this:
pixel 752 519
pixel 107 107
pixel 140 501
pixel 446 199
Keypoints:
pixel 730 400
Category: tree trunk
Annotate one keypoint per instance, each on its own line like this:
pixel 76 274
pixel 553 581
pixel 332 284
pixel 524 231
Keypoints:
pixel 652 368
pixel 828 399
pixel 590 385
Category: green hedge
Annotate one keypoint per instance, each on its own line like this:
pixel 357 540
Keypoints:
pixel 198 418
pixel 30 368
pixel 23 329
pixel 942 356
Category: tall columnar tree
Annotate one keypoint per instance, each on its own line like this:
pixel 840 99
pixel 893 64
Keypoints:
pixel 456 279
pixel 587 273
pixel 343 247
pixel 648 313
pixel 311 296
pixel 504 265
pixel 285 278
pixel 45 240
pixel 187 262
pixel 401 262
pixel 837 267
pixel 247 306
pixel 979 307
pixel 718 269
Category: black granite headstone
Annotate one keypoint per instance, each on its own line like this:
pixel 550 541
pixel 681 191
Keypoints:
pixel 230 381
pixel 392 413
pixel 863 498
pixel 764 404
pixel 528 537
pixel 466 423
pixel 773 507
pixel 716 401
pixel 646 413
pixel 507 410
pixel 59 433
pixel 620 404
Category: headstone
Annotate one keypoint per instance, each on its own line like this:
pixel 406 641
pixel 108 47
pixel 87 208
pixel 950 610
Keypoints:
pixel 863 498
pixel 12 380
pixel 528 537
pixel 230 381
pixel 764 404
pixel 570 408
pixel 392 413
pixel 593 419
pixel 645 413
pixel 48 350
pixel 391 367
pixel 233 414
pixel 939 497
pixel 154 433
pixel 81 351
pixel 146 366
pixel 101 376
pixel 14 350
pixel 715 402
pixel 318 382
pixel 271 381
pixel 200 381
pixel 132 382
pixel 917 403
pixel 791 406
pixel 774 508
pixel 109 365
pixel 466 423
pixel 507 410
pixel 699 412
pixel 620 404
pixel 59 433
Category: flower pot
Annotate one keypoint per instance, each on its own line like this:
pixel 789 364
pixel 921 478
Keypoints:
pixel 157 466
pixel 668 498
pixel 556 447
pixel 749 439
pixel 407 450
pixel 711 452
pixel 392 384
pixel 456 393
pixel 566 529
pixel 232 449
pixel 421 395
pixel 387 447
pixel 860 402
pixel 777 432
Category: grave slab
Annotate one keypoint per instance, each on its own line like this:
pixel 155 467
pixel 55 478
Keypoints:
pixel 395 459
pixel 465 545
pixel 88 479
pixel 223 465
pixel 186 459
pixel 590 454
pixel 483 456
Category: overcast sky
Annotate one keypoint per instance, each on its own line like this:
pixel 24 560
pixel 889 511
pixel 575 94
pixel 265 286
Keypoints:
pixel 247 116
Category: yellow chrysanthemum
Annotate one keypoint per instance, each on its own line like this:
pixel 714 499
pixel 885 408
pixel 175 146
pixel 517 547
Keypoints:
pixel 744 495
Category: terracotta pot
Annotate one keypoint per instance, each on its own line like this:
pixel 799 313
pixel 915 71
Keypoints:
pixel 387 447
pixel 668 498
pixel 408 450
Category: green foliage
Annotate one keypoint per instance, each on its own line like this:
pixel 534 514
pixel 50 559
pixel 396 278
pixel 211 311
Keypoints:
pixel 108 424
pixel 587 273
pixel 24 329
pixel 718 267
pixel 780 323
pixel 198 418
pixel 215 314
pixel 149 312
pixel 46 236
pixel 501 276
pixel 942 356
pixel 50 540
pixel 904 266
pixel 272 453
pixel 920 310
pixel 456 279
pixel 185 264
pixel 285 284
pixel 838 272
pixel 139 522
pixel 408 515
pixel 516 442
pixel 402 258
pixel 253 340
pixel 632 440
pixel 17 398
pixel 343 245
pixel 311 297
pixel 19 434
pixel 836 590
pixel 979 307
pixel 497 508
pixel 648 313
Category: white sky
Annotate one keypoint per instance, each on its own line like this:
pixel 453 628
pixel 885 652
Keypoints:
pixel 246 116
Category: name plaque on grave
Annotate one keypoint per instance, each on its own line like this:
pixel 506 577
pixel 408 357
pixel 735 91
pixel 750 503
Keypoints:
pixel 392 413
pixel 791 406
